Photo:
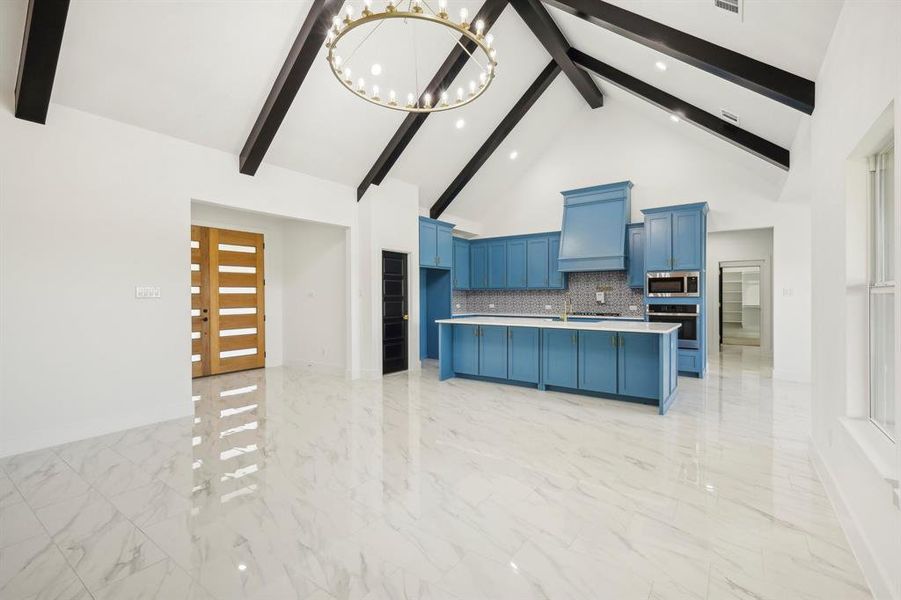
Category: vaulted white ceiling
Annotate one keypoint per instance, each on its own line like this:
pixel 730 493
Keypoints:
pixel 201 71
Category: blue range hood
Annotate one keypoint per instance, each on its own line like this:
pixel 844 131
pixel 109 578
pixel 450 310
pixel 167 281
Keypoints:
pixel 594 228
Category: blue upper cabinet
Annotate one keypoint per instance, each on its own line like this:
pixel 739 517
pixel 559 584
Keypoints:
pixel 436 246
pixel 556 278
pixel 445 246
pixel 594 228
pixel 687 240
pixel 635 234
pixel 461 264
pixel 658 242
pixel 509 263
pixel 538 263
pixel 478 272
pixel 674 237
pixel 516 263
pixel 497 264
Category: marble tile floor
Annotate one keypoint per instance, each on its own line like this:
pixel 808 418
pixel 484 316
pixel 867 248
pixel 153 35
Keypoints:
pixel 286 484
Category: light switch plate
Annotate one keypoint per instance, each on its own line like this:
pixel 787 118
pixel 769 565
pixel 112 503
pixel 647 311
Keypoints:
pixel 143 292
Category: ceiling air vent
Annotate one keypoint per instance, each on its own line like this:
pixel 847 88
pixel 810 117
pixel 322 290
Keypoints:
pixel 729 116
pixel 732 6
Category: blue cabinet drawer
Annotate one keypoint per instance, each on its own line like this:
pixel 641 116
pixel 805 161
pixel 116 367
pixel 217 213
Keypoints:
pixel 690 360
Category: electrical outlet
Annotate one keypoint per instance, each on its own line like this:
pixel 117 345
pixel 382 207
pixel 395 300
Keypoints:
pixel 632 307
pixel 548 307
pixel 491 305
pixel 456 306
pixel 146 292
pixel 599 296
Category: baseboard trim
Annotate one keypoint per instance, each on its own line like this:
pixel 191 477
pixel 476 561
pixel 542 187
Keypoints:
pixel 879 585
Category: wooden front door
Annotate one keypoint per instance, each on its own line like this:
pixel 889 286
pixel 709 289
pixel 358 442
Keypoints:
pixel 227 301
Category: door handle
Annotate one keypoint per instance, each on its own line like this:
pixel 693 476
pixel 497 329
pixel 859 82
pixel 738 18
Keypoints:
pixel 206 319
pixel 406 317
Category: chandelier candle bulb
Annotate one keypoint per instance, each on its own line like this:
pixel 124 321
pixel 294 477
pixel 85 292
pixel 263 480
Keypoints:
pixel 443 98
pixel 417 6
pixel 348 14
pixel 410 99
pixel 483 77
pixel 361 85
pixel 442 9
pixel 336 22
pixel 464 14
pixel 489 39
pixel 375 92
pixel 367 8
pixel 392 98
pixel 459 94
pixel 347 76
pixel 472 88
pixel 480 27
pixel 427 100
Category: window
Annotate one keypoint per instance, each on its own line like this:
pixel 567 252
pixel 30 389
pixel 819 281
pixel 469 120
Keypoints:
pixel 882 291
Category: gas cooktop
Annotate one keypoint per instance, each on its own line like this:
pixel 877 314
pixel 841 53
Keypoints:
pixel 596 314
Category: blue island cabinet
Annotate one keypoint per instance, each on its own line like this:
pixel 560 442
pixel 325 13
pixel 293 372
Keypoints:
pixel 492 351
pixel 524 354
pixel 638 355
pixel 436 244
pixel 466 349
pixel 561 352
pixel 597 361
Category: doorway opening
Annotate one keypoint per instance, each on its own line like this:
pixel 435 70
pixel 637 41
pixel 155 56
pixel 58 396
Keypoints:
pixel 395 317
pixel 740 305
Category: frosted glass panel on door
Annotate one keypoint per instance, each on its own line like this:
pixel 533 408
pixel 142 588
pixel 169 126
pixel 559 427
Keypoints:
pixel 882 360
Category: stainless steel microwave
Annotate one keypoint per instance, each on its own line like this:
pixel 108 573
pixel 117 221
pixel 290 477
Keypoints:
pixel 674 284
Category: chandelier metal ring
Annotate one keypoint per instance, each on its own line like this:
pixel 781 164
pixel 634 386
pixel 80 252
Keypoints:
pixel 422 103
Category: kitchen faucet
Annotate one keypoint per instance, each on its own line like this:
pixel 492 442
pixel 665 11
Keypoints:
pixel 567 308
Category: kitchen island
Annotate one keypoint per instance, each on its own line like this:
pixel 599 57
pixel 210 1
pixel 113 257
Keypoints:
pixel 626 360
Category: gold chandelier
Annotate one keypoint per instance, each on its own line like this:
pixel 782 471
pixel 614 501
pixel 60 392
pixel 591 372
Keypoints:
pixel 416 101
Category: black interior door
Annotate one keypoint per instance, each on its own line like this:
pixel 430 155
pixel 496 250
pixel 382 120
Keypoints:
pixel 394 312
pixel 721 306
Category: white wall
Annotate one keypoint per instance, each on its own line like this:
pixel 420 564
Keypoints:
pixel 316 290
pixel 860 77
pixel 90 208
pixel 388 220
pixel 749 244
pixel 668 163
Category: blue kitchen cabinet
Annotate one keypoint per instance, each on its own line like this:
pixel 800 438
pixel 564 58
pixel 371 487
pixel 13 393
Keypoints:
pixel 478 273
pixel 492 351
pixel 436 246
pixel 561 352
pixel 461 264
pixel 428 243
pixel 466 349
pixel 658 245
pixel 556 277
pixel 639 355
pixel 674 237
pixel 516 263
pixel 445 250
pixel 497 264
pixel 523 354
pixel 687 240
pixel 635 233
pixel 598 361
pixel 538 262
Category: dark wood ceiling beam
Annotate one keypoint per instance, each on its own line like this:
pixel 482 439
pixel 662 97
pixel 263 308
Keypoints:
pixel 44 26
pixel 442 80
pixel 303 52
pixel 536 17
pixel 774 83
pixel 519 110
pixel 745 140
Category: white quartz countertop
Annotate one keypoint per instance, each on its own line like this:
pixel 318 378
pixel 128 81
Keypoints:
pixel 550 315
pixel 549 323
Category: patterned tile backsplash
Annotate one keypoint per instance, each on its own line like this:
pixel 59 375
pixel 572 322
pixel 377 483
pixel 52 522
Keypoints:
pixel 581 289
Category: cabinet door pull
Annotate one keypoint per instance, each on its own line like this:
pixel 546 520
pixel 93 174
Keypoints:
pixel 613 340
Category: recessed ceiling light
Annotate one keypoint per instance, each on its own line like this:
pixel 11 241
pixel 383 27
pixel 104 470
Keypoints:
pixel 242 567
pixel 376 69
pixel 513 155
pixel 460 123
pixel 659 64
pixel 674 118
